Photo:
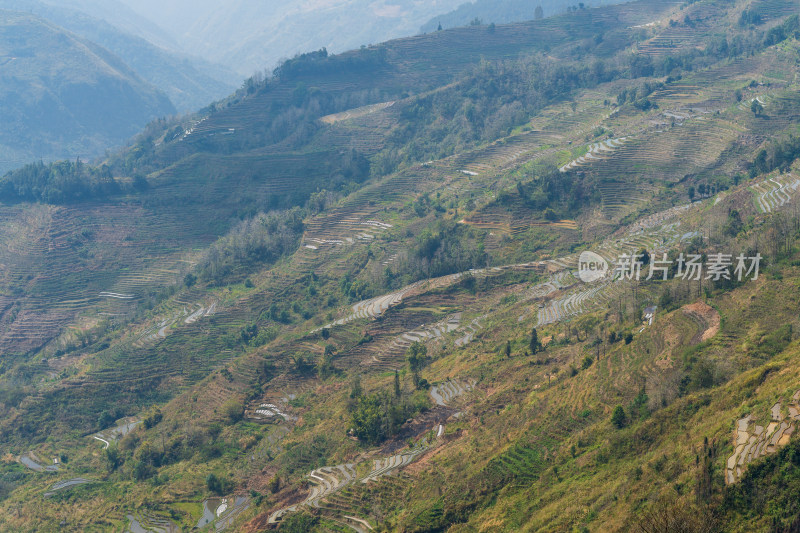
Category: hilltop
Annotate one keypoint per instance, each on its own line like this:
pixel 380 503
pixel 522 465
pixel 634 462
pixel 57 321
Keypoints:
pixel 347 297
pixel 504 11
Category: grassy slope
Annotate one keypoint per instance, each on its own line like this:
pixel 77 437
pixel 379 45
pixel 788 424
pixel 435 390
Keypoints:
pixel 497 462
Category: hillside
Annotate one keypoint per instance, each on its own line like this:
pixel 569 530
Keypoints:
pixel 65 97
pixel 189 83
pixel 352 296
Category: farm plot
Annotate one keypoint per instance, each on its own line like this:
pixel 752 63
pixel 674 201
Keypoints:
pixel 393 356
pixel 773 193
pixel 150 523
pixel 597 152
pixel 753 441
pixel 107 436
pixel 329 480
pixel 445 393
pixel 575 302
pixel 66 485
pixel 30 460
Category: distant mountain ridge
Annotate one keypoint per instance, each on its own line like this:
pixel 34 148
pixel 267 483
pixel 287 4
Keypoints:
pixel 65 97
pixel 251 35
pixel 505 11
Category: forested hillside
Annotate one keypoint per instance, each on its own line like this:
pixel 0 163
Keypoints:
pixel 353 295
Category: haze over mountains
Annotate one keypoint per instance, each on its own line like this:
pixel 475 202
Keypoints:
pixel 63 96
pixel 251 35
pixel 195 53
pixel 189 82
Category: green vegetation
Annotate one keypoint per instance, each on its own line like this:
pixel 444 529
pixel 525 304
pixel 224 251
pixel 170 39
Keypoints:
pixel 316 288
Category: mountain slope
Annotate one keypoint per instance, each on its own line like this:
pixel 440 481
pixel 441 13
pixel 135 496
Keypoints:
pixel 349 298
pixel 189 83
pixel 64 97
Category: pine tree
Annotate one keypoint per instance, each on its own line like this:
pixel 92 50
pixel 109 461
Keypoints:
pixel 508 348
pixel 618 417
pixel 535 345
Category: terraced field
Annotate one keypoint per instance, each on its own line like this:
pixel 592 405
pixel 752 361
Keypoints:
pixel 446 392
pixel 576 303
pixel 596 152
pixel 773 193
pixel 355 113
pixel 29 460
pixel 107 436
pixel 150 523
pixel 328 480
pixel 392 357
pixel 523 445
pixel 753 441
pixel 66 485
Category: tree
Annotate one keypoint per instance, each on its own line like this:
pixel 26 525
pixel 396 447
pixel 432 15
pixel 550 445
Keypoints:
pixel 587 362
pixel 417 355
pixel 233 410
pixel 508 348
pixel 538 13
pixel 397 384
pixel 152 418
pixel 417 358
pixel 618 417
pixel 190 279
pixel 214 484
pixel 669 514
pixel 535 344
pixel 113 458
pixel 275 484
pixel 356 391
pixel 756 107
pixel 440 27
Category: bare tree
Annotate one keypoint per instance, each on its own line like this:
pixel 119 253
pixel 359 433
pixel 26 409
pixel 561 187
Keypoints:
pixel 670 515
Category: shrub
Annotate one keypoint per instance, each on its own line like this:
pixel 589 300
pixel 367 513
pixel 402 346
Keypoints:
pixel 214 484
pixel 618 417
pixel 233 410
